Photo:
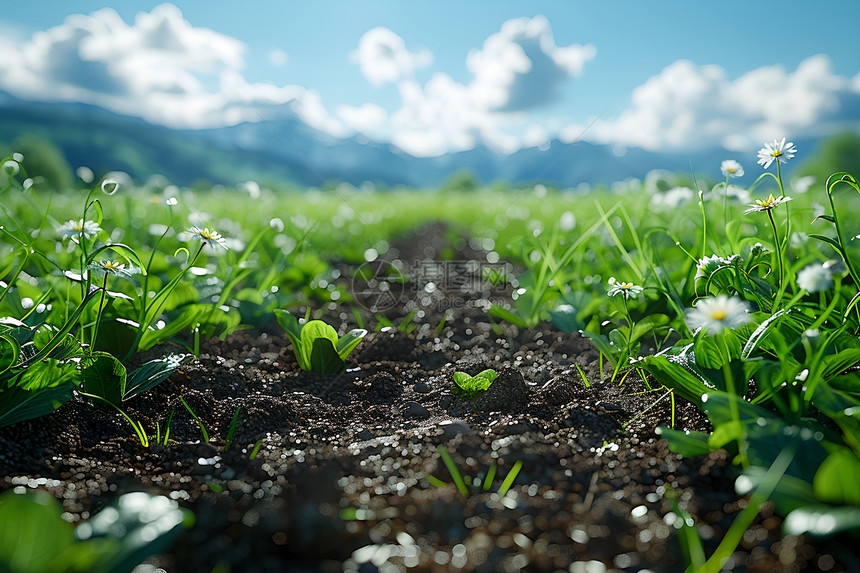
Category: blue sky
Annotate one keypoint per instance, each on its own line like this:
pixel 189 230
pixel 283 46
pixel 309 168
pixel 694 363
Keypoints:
pixel 437 77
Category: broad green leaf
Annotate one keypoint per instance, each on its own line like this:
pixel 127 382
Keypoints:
pixel 760 332
pixel 27 522
pixel 789 494
pixel 715 351
pixel 9 351
pixel 488 374
pixel 718 406
pixel 471 386
pixel 116 336
pixel 349 341
pixel 138 525
pixel 292 327
pixel 37 391
pixel 840 362
pixel 152 373
pixel 838 478
pixel 323 357
pixel 507 315
pixel 66 347
pixel 689 444
pixel 849 383
pixel 821 520
pixel 649 324
pixel 678 372
pixel 565 317
pixel 104 376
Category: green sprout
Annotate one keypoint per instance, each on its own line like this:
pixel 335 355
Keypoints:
pixel 472 386
pixel 316 344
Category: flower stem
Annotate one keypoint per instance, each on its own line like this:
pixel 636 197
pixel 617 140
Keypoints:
pixel 99 314
pixel 778 245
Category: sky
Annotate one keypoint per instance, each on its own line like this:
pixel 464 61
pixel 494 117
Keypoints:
pixel 440 77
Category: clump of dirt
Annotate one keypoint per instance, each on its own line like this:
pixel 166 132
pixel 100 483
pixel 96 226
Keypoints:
pixel 342 480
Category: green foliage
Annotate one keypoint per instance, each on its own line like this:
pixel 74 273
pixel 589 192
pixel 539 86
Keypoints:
pixel 473 386
pixel 118 538
pixel 837 153
pixel 46 161
pixel 316 344
pixel 480 484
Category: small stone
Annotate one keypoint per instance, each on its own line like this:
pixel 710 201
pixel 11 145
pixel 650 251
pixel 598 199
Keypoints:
pixel 364 435
pixel 422 388
pixel 452 428
pixel 416 410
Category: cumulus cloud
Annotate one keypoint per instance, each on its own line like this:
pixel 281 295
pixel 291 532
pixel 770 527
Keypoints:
pixel 160 68
pixel 368 119
pixel 690 106
pixel 521 67
pixel 516 70
pixel 383 57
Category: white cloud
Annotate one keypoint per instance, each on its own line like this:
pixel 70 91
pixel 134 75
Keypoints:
pixel 516 70
pixel 383 57
pixel 691 106
pixel 160 68
pixel 521 67
pixel 368 119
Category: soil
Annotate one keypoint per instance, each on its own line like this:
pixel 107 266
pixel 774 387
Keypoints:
pixel 340 482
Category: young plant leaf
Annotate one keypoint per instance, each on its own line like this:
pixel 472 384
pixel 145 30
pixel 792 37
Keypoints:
pixel 838 478
pixel 349 341
pixel 104 376
pixel 688 444
pixel 323 358
pixel 9 351
pixel 153 373
pixel 472 386
pixel 37 391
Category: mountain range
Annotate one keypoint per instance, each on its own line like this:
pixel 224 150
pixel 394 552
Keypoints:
pixel 288 151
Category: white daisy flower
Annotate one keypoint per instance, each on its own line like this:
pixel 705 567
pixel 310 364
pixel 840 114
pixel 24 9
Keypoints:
pixel 767 204
pixel 716 313
pixel 732 168
pixel 709 265
pixel 106 267
pixel 627 290
pixel 778 150
pixel 815 277
pixel 80 228
pixel 208 236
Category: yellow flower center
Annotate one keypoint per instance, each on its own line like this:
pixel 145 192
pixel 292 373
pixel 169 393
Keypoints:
pixel 627 285
pixel 718 314
pixel 79 227
pixel 776 153
pixel 767 202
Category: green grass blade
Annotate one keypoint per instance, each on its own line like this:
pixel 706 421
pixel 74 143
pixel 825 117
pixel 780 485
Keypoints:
pixel 452 469
pixel 509 479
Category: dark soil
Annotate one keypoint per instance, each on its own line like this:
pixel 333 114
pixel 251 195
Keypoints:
pixel 340 482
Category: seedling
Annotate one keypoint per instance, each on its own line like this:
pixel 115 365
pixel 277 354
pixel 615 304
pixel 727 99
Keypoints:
pixel 199 423
pixel 484 485
pixel 316 344
pixel 473 386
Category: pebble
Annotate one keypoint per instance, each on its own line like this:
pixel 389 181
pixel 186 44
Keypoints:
pixel 416 410
pixel 422 388
pixel 452 428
